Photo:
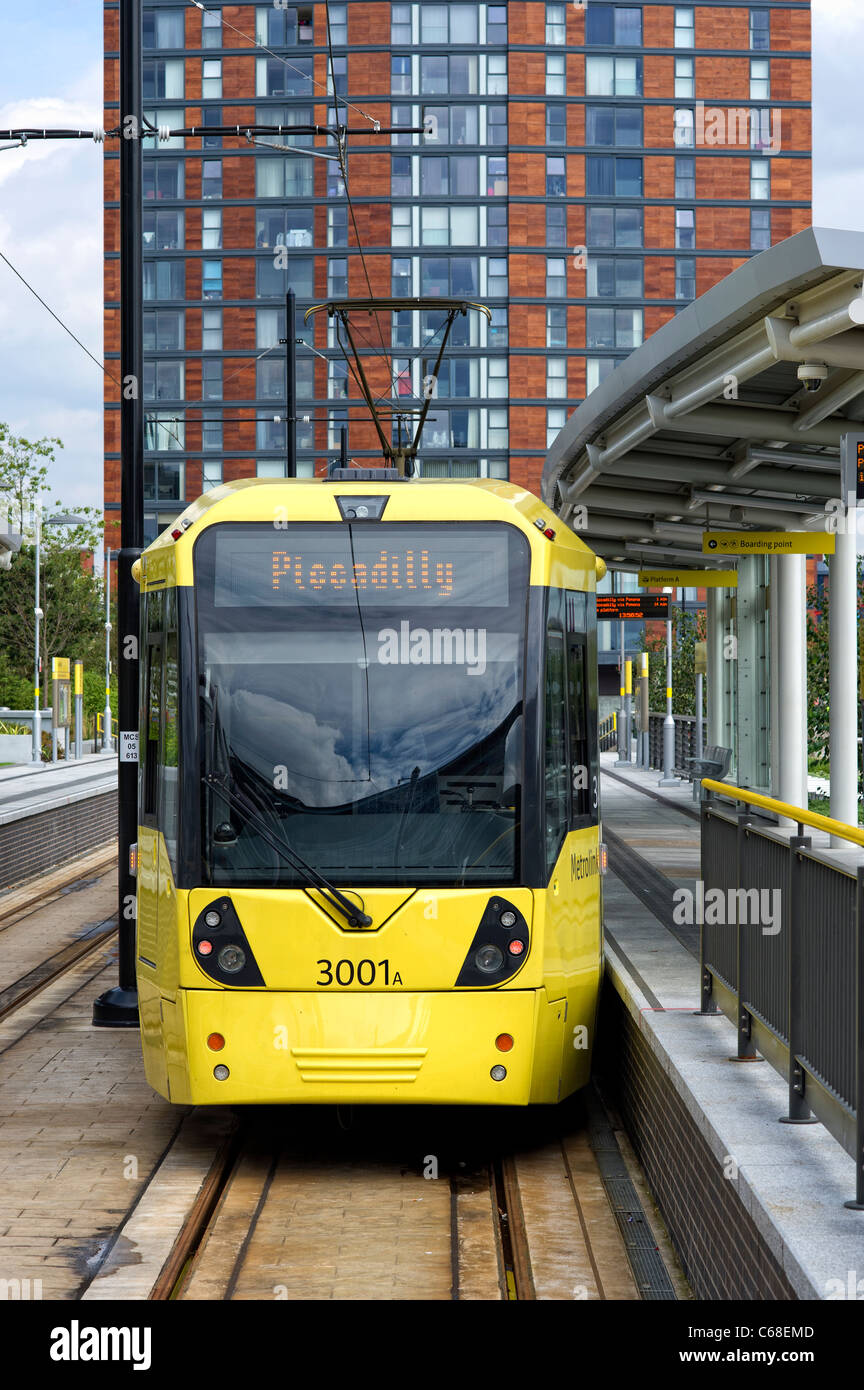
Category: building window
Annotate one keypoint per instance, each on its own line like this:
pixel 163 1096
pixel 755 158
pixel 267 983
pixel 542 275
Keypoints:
pixel 337 278
pixel 760 179
pixel 459 125
pixel 401 226
pixel 285 116
pixel 685 228
pixel 760 79
pixel 685 177
pixel 556 176
pixel 337 72
pixel 556 325
pixel 613 125
pixel 613 174
pixel 556 377
pixel 760 29
pixel 496 125
pixel 556 277
pixel 290 176
pixel 163 381
pixel 498 388
pixel 211 430
pixel 760 229
pixel 496 75
pixel 453 75
pixel 400 176
pixel 597 369
pixel 273 78
pixel 162 179
pixel 684 130
pixel 401 276
pixel 685 277
pixel 454 226
pixel 164 279
pixel 162 29
pixel 211 474
pixel 448 24
pixel 211 116
pixel 164 432
pixel 613 328
pixel 611 226
pixel 496 226
pixel 339 25
pixel 611 277
pixel 211 280
pixel 163 79
pixel 496 23
pixel 556 419
pixel 211 379
pixel 556 225
pixel 211 229
pixel 163 480
pixel 162 231
pixel 455 175
pixel 164 330
pixel 400 24
pixel 284 227
pixel 402 115
pixel 613 77
pixel 283 26
pixel 556 74
pixel 163 117
pixel 211 29
pixel 685 29
pixel 337 380
pixel 496 176
pixel 211 78
pixel 498 432
pixel 497 277
pixel 556 125
pixel 211 330
pixel 685 83
pixel 556 25
pixel 498 328
pixel 211 178
pixel 446 276
pixel 618 24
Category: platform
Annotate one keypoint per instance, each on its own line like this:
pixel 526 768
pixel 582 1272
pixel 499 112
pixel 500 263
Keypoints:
pixel 755 1208
pixel 41 820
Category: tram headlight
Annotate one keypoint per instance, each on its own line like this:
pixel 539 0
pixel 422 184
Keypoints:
pixel 212 918
pixel 489 959
pixel 231 959
pixel 498 1073
pixel 508 919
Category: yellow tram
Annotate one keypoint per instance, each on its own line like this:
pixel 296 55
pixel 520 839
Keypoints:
pixel 369 847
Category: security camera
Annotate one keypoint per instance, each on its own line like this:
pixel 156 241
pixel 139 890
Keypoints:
pixel 812 374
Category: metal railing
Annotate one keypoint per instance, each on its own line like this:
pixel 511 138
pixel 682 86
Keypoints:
pixel 685 741
pixel 608 732
pixel 783 956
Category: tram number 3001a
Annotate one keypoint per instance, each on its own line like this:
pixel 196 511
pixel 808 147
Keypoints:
pixel 365 972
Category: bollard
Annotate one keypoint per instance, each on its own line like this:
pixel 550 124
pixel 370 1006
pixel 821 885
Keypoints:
pixel 627 716
pixel 644 723
pixel 699 731
pixel 78 691
pixel 668 779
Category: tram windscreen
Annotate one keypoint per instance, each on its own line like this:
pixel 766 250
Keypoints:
pixel 362 687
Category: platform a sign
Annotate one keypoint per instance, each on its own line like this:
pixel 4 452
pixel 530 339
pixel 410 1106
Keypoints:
pixel 688 579
pixel 767 543
pixel 633 606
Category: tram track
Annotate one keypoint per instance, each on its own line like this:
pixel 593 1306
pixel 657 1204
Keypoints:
pixel 290 1210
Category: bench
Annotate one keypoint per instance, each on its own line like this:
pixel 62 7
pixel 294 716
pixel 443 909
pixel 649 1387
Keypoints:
pixel 714 762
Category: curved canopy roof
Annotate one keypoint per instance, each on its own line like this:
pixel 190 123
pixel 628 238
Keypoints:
pixel 707 425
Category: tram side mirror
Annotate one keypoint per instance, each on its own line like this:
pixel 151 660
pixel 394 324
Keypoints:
pixel 225 834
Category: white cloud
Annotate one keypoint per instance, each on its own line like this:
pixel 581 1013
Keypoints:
pixel 51 231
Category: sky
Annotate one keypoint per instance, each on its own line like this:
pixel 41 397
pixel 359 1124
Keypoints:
pixel 51 213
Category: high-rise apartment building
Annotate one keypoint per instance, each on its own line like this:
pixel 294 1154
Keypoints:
pixel 587 169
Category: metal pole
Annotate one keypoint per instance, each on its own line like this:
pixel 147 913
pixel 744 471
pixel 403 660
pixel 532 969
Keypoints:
pixel 36 756
pixel 700 738
pixel 792 647
pixel 843 676
pixel 118 1007
pixel 628 711
pixel 107 742
pixel 622 716
pixel 799 1110
pixel 668 780
pixel 78 688
pixel 343 447
pixel 290 385
pixel 644 736
pixel 746 1050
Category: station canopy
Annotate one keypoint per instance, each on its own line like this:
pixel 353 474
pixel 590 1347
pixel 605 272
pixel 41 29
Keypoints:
pixel 710 424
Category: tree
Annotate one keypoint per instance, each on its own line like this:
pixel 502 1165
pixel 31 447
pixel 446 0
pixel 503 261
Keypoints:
pixel 687 630
pixel 818 659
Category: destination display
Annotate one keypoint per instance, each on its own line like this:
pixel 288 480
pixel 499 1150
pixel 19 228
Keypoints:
pixel 391 565
pixel 632 606
pixel 852 457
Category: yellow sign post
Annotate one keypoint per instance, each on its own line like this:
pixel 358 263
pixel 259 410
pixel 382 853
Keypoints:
pixel 688 579
pixel 767 543
pixel 60 668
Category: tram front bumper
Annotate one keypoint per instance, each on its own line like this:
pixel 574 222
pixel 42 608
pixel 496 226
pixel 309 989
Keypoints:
pixel 384 1048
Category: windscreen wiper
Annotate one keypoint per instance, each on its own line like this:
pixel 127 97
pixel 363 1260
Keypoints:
pixel 355 917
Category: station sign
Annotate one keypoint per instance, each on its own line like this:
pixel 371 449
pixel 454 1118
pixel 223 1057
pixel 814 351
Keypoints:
pixel 767 543
pixel 633 606
pixel 60 668
pixel 689 579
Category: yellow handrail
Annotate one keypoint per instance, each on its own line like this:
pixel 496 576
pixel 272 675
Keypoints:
pixel 782 808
